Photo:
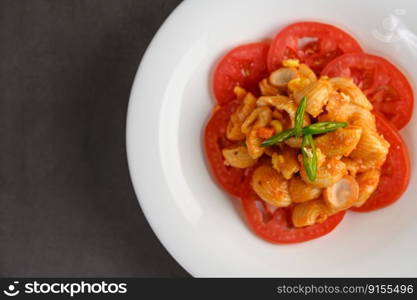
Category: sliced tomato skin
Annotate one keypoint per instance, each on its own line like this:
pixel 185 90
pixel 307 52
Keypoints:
pixel 331 43
pixel 384 84
pixel 395 172
pixel 277 227
pixel 229 178
pixel 244 66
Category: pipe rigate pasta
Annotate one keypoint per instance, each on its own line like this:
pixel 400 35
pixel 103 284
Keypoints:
pixel 309 213
pixel 301 191
pixel 238 157
pixel 271 186
pixel 234 131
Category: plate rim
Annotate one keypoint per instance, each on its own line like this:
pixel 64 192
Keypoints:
pixel 128 134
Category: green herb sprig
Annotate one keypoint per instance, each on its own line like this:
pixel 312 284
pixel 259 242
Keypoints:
pixel 299 116
pixel 308 147
pixel 309 152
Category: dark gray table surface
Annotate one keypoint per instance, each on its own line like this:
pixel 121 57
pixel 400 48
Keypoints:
pixel 67 206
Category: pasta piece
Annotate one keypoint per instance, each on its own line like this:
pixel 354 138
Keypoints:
pixel 283 103
pixel 233 131
pixel 267 89
pixel 340 142
pixel 253 142
pixel 321 158
pixel 352 166
pixel 368 182
pixel 277 125
pixel 277 115
pixel 341 195
pixel 326 117
pixel 291 63
pixel 330 172
pixel 305 77
pixel 346 86
pixel 270 186
pixel 363 118
pixel 309 213
pixel 298 84
pixel 305 72
pixel 260 117
pixel 282 117
pixel 286 162
pixel 357 166
pixel 239 92
pixel 372 149
pixel 279 101
pixel 301 191
pixel 317 94
pixel 340 109
pixel 238 157
pixel 282 76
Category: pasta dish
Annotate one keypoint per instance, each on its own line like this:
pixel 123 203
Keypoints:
pixel 305 128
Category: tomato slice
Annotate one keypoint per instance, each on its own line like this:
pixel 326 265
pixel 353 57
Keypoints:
pixel 276 226
pixel 395 172
pixel 315 44
pixel 229 178
pixel 244 66
pixel 384 85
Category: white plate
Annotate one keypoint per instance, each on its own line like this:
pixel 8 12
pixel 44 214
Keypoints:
pixel 170 102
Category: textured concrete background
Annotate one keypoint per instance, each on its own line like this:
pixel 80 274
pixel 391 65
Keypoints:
pixel 67 206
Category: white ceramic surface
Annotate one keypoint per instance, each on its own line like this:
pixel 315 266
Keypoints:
pixel 202 227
